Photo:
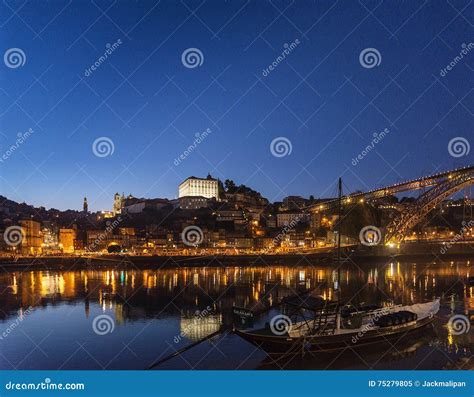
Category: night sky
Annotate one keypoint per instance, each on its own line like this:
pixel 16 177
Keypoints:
pixel 151 103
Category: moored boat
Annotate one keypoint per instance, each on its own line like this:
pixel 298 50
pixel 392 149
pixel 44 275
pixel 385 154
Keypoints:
pixel 335 331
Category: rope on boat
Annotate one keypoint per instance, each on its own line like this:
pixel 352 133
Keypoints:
pixel 184 349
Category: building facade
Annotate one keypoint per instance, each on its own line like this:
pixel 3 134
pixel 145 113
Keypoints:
pixel 192 202
pixel 118 203
pixel 66 240
pixel 291 218
pixel 33 239
pixel 50 234
pixel 205 187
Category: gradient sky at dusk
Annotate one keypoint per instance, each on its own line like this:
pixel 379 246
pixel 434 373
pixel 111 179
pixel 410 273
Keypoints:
pixel 151 106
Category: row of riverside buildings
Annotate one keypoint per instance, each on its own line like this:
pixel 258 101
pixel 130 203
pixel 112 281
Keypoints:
pixel 230 219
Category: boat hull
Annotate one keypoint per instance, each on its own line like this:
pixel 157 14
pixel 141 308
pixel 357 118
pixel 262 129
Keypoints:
pixel 274 344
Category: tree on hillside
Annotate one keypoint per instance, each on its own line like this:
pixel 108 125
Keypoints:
pixel 229 186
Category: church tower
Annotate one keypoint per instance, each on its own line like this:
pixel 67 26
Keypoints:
pixel 118 203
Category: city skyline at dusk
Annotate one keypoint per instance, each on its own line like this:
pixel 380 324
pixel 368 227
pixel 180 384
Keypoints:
pixel 237 187
pixel 262 93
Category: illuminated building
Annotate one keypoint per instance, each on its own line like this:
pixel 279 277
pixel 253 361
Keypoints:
pixel 291 218
pixel 127 231
pixel 118 203
pixel 66 240
pixel 106 214
pixel 50 237
pixel 205 187
pixel 239 242
pixel 96 240
pixel 226 215
pixel 32 241
pixel 265 243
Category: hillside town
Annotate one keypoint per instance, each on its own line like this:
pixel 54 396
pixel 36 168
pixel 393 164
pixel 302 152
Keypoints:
pixel 210 216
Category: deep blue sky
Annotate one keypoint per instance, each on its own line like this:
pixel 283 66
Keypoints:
pixel 319 97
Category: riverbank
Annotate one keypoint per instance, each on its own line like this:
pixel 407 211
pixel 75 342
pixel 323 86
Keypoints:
pixel 360 256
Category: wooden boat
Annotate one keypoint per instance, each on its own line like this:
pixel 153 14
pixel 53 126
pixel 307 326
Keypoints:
pixel 332 331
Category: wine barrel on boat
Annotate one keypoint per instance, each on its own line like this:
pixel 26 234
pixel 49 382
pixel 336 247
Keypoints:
pixel 391 319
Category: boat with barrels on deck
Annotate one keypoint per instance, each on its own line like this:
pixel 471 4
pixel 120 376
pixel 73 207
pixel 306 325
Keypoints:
pixel 332 327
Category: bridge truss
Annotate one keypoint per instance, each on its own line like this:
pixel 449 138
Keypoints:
pixel 413 213
pixel 440 187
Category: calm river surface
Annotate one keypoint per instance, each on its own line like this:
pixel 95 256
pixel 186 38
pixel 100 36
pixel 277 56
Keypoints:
pixel 49 319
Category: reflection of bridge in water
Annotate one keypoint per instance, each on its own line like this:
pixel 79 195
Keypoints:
pixel 435 188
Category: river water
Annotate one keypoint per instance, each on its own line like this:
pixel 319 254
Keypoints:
pixel 125 318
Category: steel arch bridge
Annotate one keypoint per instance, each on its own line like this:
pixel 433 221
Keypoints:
pixel 440 186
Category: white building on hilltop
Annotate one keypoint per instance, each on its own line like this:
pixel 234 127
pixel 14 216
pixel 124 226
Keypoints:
pixel 205 187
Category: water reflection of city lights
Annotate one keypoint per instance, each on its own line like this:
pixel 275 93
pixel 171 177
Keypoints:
pixel 250 284
pixel 196 328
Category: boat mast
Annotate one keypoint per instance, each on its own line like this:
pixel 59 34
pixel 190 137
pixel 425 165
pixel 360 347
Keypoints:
pixel 339 220
pixel 338 263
